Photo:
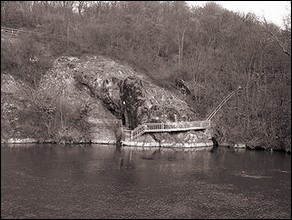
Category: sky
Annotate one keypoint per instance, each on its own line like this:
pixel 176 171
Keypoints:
pixel 273 11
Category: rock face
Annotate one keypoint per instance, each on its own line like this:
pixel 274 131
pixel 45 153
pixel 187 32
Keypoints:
pixel 114 92
pixel 177 139
pixel 129 96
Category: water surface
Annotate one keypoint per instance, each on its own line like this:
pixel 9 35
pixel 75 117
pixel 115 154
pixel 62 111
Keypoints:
pixel 83 181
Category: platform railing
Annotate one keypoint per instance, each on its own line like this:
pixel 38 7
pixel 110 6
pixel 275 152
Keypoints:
pixel 166 127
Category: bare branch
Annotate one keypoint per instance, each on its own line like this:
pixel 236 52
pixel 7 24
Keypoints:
pixel 275 38
pixel 279 43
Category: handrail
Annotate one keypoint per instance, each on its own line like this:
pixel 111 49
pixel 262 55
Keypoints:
pixel 14 31
pixel 169 126
pixel 219 106
pixel 213 113
pixel 17 30
pixel 137 131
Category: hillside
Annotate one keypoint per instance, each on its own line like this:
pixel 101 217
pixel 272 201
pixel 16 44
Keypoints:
pixel 131 62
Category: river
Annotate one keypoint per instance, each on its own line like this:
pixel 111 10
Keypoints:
pixel 99 181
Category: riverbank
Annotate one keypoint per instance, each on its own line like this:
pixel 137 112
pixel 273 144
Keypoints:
pixel 50 141
pixel 255 147
pixel 242 146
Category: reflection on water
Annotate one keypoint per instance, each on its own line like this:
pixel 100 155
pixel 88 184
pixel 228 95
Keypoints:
pixel 93 181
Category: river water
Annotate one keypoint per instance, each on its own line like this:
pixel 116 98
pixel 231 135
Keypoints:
pixel 95 181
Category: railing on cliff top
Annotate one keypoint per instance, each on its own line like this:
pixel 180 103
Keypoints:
pixel 13 31
pixel 165 127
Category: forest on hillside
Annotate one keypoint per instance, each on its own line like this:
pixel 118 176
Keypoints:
pixel 208 51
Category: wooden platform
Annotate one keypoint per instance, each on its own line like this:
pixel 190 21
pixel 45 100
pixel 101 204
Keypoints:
pixel 130 137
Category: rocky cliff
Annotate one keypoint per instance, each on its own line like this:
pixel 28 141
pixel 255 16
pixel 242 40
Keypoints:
pixel 103 93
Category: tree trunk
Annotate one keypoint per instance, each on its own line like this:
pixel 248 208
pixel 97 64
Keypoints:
pixel 180 47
